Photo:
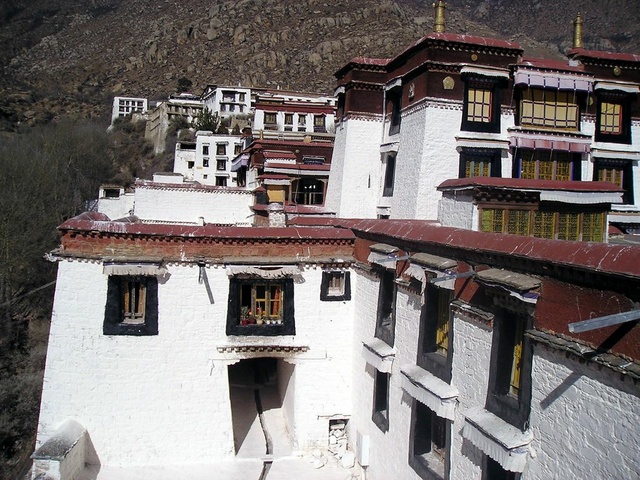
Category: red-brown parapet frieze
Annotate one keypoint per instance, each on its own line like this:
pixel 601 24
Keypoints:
pixel 94 235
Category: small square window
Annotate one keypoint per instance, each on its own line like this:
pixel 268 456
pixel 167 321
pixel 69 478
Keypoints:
pixel 336 286
pixel 132 305
pixel 191 164
pixel 381 400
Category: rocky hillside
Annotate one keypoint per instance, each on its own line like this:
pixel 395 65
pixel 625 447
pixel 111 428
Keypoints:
pixel 69 57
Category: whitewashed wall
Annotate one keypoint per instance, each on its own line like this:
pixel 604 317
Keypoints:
pixel 584 419
pixel 164 398
pixel 389 452
pixel 182 205
pixel 426 157
pixel 470 374
pixel 354 181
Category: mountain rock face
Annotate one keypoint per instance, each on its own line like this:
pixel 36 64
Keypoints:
pixel 70 57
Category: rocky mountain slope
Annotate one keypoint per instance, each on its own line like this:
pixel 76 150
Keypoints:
pixel 69 57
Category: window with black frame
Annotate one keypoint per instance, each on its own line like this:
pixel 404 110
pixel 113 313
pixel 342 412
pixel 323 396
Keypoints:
pixel 434 344
pixel 385 324
pixel 132 305
pixel 428 442
pixel 259 306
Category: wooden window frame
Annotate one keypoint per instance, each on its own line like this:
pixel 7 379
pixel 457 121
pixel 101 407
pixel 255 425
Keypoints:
pixel 241 323
pixel 329 294
pixel 625 168
pixel 120 317
pixel 564 225
pixel 540 108
pixel 487 87
pixel 622 101
pixel 221 149
pixel 434 317
pixel 491 161
pixel 545 159
pixel 509 395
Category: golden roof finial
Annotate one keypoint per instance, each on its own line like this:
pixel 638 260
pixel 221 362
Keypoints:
pixel 577 32
pixel 438 23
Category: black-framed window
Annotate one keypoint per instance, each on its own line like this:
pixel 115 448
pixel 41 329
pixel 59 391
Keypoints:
pixel 380 414
pixel 260 306
pixel 389 175
pixel 221 165
pixel 613 118
pixel 386 319
pixel 336 286
pixel 307 191
pixel 132 305
pixel 394 97
pixel 480 162
pixel 492 470
pixel 547 165
pixel 320 123
pixel 619 172
pixel 481 107
pixel 428 443
pixel 221 181
pixel 434 340
pixel 509 393
pixel 205 162
pixel 221 149
pixel 205 149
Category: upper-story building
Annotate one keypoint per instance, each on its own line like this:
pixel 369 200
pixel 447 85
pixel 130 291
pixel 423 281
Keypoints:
pixel 457 106
pixel 208 159
pixel 123 106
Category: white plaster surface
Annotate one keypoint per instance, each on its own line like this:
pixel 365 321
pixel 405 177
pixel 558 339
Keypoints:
pixel 584 420
pixel 172 205
pixel 164 399
pixel 354 181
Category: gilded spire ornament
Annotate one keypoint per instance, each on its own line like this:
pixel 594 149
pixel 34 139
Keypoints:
pixel 438 23
pixel 577 32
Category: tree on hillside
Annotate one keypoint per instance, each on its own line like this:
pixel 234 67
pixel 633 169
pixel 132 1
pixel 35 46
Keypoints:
pixel 47 174
pixel 206 120
pixel 184 85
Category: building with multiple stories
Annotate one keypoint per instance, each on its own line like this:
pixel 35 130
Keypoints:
pixel 459 106
pixel 498 342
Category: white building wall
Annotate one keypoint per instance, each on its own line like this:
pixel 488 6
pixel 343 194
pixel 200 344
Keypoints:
pixel 426 157
pixel 164 399
pixel 144 400
pixel 220 205
pixel 471 353
pixel 119 207
pixel 598 409
pixel 389 452
pixel 354 180
pixel 182 161
pixel 456 209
